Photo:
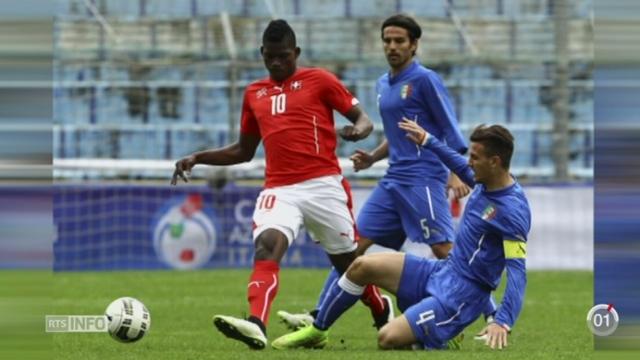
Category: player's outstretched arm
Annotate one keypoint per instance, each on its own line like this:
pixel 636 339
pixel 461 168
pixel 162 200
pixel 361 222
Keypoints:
pixel 363 160
pixel 361 127
pixel 511 305
pixel 241 151
pixel 454 161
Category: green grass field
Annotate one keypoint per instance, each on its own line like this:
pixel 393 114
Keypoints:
pixel 551 326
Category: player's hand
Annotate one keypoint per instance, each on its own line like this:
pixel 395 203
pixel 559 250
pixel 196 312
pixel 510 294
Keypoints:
pixel 183 168
pixel 352 133
pixel 459 188
pixel 361 160
pixel 496 336
pixel 414 131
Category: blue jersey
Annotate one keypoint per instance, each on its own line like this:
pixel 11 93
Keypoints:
pixel 492 235
pixel 416 93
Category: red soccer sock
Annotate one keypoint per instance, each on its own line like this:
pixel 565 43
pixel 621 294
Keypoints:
pixel 262 288
pixel 371 297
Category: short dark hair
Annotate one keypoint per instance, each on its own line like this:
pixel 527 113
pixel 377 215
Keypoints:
pixel 279 31
pixel 405 22
pixel 497 141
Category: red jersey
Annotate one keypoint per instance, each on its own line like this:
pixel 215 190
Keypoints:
pixel 295 121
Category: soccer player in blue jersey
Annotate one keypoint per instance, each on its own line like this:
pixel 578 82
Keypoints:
pixel 411 199
pixel 447 295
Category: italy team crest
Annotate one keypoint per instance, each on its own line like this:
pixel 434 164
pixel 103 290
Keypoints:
pixel 405 92
pixel 489 212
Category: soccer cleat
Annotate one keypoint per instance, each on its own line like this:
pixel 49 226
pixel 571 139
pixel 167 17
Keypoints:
pixel 388 315
pixel 456 342
pixel 308 337
pixel 295 321
pixel 241 330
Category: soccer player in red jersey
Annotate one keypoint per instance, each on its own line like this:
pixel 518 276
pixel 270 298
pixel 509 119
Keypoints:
pixel 291 111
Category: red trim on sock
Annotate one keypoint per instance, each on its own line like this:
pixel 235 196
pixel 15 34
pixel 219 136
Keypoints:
pixel 371 297
pixel 262 288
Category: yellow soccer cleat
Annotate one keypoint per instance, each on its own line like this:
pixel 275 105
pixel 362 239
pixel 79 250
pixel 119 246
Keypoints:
pixel 295 321
pixel 456 342
pixel 308 337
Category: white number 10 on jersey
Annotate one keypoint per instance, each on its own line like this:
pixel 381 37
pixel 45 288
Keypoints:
pixel 278 104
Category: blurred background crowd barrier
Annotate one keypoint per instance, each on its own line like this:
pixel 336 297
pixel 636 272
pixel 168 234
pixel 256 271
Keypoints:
pixel 133 85
pixel 138 84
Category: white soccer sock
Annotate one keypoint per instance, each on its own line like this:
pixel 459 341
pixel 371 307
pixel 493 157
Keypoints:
pixel 349 286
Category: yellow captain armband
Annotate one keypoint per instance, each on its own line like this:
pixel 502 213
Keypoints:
pixel 515 249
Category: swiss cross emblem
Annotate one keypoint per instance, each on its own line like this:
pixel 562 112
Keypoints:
pixel 260 93
pixel 296 85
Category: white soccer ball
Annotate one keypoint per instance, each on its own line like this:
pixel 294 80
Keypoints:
pixel 128 319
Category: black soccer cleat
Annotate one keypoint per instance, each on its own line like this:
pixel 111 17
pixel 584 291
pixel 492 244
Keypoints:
pixel 388 314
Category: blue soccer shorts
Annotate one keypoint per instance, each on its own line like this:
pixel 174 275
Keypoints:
pixel 436 301
pixel 394 212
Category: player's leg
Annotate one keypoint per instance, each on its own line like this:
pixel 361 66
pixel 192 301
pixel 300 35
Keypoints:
pixel 294 321
pixel 427 324
pixel 426 215
pixel 331 209
pixel 437 321
pixel 383 269
pixel 381 305
pixel 377 216
pixel 329 281
pixel 334 275
pixel 379 221
pixel 410 288
pixel 422 321
pixel 426 316
pixel 270 246
pixel 441 250
pixel 396 334
pixel 277 221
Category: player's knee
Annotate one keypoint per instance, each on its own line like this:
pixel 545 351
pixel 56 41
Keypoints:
pixel 359 269
pixel 271 244
pixel 441 250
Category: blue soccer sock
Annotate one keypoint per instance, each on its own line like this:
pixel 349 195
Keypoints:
pixel 332 278
pixel 339 298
